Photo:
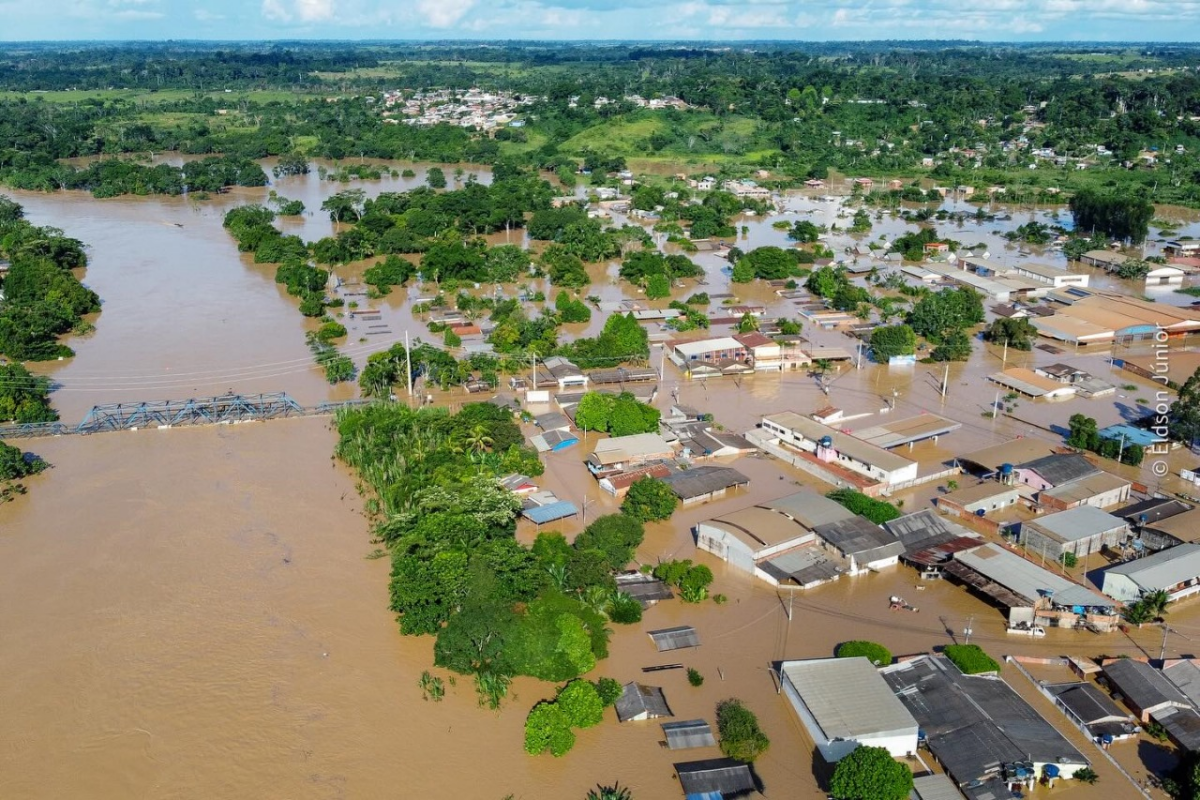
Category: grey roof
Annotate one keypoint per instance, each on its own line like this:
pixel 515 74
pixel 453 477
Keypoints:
pixel 860 538
pixel 1058 469
pixel 1143 687
pixel 1185 676
pixel 675 638
pixel 1086 702
pixel 550 512
pixel 809 508
pixel 639 699
pixel 847 697
pixel 926 530
pixel 806 566
pixel 1027 579
pixel 1154 509
pixel 722 775
pixel 1182 725
pixel 699 481
pixel 645 589
pixel 552 421
pixel 551 439
pixel 688 733
pixel 1083 489
pixel 1164 569
pixel 1078 523
pixel 975 724
pixel 994 789
pixel 935 787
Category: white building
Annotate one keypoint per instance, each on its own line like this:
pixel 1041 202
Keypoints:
pixel 1044 273
pixel 1175 570
pixel 844 703
pixel 831 445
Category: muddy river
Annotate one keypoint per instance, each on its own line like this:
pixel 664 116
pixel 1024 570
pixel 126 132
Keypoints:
pixel 192 613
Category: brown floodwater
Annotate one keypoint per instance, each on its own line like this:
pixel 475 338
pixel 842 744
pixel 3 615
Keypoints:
pixel 191 613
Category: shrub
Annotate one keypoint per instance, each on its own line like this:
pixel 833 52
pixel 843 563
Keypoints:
pixel 624 610
pixel 870 773
pixel 581 703
pixel 971 659
pixel 609 690
pixel 694 677
pixel 877 654
pixel 878 511
pixel 741 737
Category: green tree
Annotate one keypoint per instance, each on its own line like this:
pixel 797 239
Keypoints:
pixel 893 340
pixel 609 690
pixel 877 654
pixel 748 323
pixel 581 703
pixel 16 464
pixel 614 536
pixel 870 773
pixel 955 346
pixel 740 735
pixel 436 178
pixel 614 792
pixel 649 499
pixel 1156 602
pixel 1083 432
pixel 743 272
pixel 1086 775
pixel 547 728
pixel 1018 332
pixel 594 411
pixel 658 287
pixel 24 397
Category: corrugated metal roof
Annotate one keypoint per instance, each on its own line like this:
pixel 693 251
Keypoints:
pixel 809 508
pixel 642 701
pixel 1142 685
pixel 806 566
pixel 689 733
pixel 935 787
pixel 1164 569
pixel 722 775
pixel 1078 523
pixel 1087 703
pixel 1058 469
pixel 699 481
pixel 847 697
pixel 1182 725
pixel 1028 579
pixel 1185 676
pixel 551 512
pixel 860 538
pixel 675 638
pixel 1082 490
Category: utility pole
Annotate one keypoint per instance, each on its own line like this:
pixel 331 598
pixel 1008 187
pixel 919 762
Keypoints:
pixel 1121 452
pixel 408 365
pixel 1004 358
pixel 945 381
pixel 1162 653
pixel 967 630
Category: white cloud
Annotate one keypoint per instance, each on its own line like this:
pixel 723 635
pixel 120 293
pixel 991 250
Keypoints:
pixel 314 10
pixel 444 13
pixel 204 15
pixel 275 10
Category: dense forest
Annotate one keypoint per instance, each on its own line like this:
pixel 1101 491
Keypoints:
pixel 953 112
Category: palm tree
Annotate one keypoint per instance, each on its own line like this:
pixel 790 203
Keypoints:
pixel 1138 614
pixel 1156 602
pixel 614 792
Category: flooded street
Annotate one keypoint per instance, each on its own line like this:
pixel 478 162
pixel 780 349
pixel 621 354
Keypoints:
pixel 192 613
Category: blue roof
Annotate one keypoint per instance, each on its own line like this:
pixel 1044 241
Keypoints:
pixel 705 796
pixel 551 512
pixel 1132 435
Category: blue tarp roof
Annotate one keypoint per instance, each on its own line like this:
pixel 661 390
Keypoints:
pixel 549 513
pixel 705 796
pixel 1132 435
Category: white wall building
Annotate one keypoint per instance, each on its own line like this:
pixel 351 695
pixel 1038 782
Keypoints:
pixel 844 703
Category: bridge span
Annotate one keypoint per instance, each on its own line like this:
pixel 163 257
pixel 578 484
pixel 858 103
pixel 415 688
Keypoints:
pixel 224 409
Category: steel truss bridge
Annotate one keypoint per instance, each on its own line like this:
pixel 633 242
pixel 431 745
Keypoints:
pixel 224 409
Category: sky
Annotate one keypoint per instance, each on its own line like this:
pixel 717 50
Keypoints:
pixel 715 20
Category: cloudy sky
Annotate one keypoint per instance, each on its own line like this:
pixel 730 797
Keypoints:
pixel 997 20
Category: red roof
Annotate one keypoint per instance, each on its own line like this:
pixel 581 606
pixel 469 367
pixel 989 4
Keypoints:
pixel 753 339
